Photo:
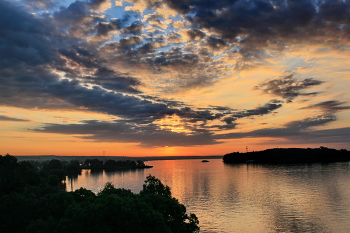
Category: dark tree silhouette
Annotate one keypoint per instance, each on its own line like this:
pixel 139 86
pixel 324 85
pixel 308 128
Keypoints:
pixel 31 202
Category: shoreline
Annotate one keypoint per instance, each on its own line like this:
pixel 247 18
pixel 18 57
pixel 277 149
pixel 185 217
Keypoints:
pixel 104 158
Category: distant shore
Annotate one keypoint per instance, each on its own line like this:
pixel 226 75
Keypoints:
pixel 289 155
pixel 105 158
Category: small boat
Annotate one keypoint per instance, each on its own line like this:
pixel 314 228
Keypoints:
pixel 205 161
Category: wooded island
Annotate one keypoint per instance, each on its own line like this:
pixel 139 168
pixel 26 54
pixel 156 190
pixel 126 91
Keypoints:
pixel 289 155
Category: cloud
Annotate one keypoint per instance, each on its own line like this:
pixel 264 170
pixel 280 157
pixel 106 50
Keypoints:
pixel 77 14
pixel 216 43
pixel 258 29
pixel 134 29
pixel 77 57
pixel 33 54
pixel 262 110
pixel 149 135
pixel 6 118
pixel 194 116
pixel 174 37
pixel 31 82
pixel 288 87
pixel 264 20
pixel 330 106
pixel 195 34
pixel 311 122
pixel 113 80
pixel 230 125
pixel 40 4
pixel 294 130
pixel 103 29
pixel 168 102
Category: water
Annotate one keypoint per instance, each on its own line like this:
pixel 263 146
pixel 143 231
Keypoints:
pixel 246 198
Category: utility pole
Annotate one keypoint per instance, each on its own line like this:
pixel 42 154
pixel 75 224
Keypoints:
pixel 246 149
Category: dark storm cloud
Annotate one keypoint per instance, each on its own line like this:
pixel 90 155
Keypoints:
pixel 290 131
pixel 6 118
pixel 288 87
pixel 120 131
pixel 329 106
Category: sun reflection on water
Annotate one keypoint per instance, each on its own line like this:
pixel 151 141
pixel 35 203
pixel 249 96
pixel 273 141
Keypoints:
pixel 248 198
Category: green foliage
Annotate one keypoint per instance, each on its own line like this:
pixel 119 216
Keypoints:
pixel 111 164
pixel 30 201
pixel 83 194
pixel 154 186
pixel 174 213
pixel 53 164
pixel 16 212
pixel 111 213
pixel 73 167
pixel 53 180
pixel 109 189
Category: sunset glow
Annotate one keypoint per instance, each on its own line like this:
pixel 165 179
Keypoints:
pixel 165 77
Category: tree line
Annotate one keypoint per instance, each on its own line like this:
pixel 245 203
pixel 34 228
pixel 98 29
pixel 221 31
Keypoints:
pixel 57 170
pixel 31 201
pixel 290 155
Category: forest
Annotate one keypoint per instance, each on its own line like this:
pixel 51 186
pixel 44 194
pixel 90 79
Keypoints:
pixel 290 155
pixel 32 201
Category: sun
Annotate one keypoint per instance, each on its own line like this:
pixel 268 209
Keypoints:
pixel 173 124
pixel 167 150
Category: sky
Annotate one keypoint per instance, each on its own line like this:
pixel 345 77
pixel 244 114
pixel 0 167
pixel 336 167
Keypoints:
pixel 173 77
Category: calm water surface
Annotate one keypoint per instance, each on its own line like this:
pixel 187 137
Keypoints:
pixel 246 198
